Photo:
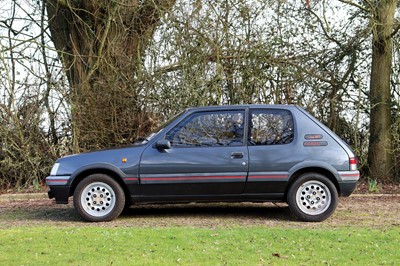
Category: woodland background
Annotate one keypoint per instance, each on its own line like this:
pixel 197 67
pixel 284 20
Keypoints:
pixel 79 75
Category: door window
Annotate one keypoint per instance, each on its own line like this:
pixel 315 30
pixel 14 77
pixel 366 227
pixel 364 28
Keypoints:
pixel 209 129
pixel 271 127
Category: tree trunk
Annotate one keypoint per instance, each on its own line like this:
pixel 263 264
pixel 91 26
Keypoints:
pixel 379 152
pixel 101 44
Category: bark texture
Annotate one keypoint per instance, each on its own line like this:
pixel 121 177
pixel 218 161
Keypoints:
pixel 101 44
pixel 379 153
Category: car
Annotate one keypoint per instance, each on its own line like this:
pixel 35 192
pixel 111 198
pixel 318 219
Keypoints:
pixel 232 153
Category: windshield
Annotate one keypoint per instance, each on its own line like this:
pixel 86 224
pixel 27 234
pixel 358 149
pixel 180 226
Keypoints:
pixel 159 129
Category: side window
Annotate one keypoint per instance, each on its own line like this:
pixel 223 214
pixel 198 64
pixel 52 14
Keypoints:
pixel 224 128
pixel 271 127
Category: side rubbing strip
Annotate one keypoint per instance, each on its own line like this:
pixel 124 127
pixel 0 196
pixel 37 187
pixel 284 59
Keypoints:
pixel 131 180
pixel 268 176
pixel 157 178
pixel 191 177
pixel 260 177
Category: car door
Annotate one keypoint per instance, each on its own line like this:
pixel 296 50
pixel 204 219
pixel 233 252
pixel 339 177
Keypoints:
pixel 272 150
pixel 207 156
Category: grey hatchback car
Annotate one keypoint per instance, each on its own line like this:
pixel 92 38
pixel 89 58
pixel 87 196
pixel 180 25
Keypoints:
pixel 237 153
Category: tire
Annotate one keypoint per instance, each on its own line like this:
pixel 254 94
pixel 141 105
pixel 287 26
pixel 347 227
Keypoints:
pixel 312 197
pixel 99 198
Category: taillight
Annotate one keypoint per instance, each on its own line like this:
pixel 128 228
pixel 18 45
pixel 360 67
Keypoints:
pixel 353 164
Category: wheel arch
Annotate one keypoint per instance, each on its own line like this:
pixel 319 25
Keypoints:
pixel 83 173
pixel 320 170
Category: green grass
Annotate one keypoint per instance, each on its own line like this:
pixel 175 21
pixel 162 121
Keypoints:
pixel 198 246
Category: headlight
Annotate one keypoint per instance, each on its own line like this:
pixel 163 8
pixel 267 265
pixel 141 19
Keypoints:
pixel 54 169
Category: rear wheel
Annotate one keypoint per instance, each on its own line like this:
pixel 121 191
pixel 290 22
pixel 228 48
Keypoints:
pixel 99 198
pixel 312 197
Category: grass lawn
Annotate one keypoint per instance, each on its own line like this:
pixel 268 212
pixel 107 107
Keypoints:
pixel 38 245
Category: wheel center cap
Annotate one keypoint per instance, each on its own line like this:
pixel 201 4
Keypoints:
pixel 313 197
pixel 96 199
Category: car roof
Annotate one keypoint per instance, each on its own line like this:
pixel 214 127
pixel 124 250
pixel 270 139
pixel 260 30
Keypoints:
pixel 224 107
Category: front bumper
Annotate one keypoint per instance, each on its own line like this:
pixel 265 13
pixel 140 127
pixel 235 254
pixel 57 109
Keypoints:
pixel 58 188
pixel 60 193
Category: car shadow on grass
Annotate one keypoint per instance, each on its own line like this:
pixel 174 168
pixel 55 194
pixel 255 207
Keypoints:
pixel 214 211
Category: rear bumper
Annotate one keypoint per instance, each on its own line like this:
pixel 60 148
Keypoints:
pixel 348 183
pixel 346 188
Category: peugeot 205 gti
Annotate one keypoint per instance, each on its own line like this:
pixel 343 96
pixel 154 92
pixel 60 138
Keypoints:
pixel 253 153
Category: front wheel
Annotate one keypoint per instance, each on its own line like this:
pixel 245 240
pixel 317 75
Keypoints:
pixel 99 198
pixel 312 197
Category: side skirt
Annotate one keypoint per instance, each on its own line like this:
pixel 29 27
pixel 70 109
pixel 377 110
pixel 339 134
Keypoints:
pixel 275 197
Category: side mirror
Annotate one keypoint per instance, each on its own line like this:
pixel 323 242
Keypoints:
pixel 163 144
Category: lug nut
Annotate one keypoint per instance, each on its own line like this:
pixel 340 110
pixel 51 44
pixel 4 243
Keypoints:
pixel 94 202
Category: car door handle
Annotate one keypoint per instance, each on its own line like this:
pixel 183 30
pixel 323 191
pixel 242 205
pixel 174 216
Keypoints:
pixel 237 155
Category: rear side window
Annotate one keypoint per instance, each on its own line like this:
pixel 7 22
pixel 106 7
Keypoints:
pixel 224 128
pixel 271 127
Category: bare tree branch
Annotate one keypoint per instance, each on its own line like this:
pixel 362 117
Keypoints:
pixel 396 29
pixel 350 2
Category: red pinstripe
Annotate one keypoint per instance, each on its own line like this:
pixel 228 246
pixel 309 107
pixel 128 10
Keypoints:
pixel 350 174
pixel 190 178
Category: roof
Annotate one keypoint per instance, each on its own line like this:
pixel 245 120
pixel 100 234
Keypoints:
pixel 224 107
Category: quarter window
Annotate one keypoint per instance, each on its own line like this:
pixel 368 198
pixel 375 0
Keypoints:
pixel 209 129
pixel 271 127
